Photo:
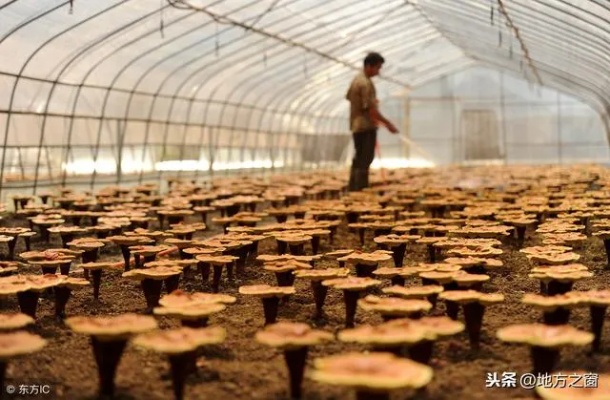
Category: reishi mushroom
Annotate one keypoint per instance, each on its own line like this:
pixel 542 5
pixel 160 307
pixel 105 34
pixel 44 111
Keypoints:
pixel 294 339
pixel 270 296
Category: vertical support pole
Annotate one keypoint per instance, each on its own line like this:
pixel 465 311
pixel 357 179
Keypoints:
pixel 503 116
pixel 406 127
pixel 559 139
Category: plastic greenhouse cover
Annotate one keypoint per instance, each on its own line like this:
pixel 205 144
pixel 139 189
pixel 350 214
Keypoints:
pixel 293 55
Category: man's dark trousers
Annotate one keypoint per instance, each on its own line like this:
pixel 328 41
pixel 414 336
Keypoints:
pixel 364 144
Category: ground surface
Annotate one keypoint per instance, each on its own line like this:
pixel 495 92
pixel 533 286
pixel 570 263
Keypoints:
pixel 243 369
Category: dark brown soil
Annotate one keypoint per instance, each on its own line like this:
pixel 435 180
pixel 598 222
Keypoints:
pixel 243 369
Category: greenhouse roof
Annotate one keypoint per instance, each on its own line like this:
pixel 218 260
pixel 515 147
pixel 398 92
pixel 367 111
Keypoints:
pixel 297 55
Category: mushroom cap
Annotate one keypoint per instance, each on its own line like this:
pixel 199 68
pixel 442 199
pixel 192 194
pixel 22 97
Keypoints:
pixel 321 274
pixel 544 335
pixel 180 340
pixel 568 385
pixel 114 327
pixel 566 268
pixel 440 277
pixel 374 371
pixel 548 249
pixel 40 283
pixel 13 344
pixel 471 296
pixel 157 273
pixel 87 243
pixel 468 262
pixel 287 335
pixel 352 283
pixel 555 259
pixel 291 265
pixel 374 258
pixel 14 321
pixel 130 240
pixel 435 326
pixel 179 298
pixel 147 250
pixel 339 253
pixel 190 311
pixel 215 260
pixel 266 290
pixel 413 292
pixel 99 265
pixel 385 334
pixel 393 305
pixel 592 297
pixel 478 252
pixel 393 271
pixel 170 263
pixel 550 302
pixel 74 283
pixel 465 279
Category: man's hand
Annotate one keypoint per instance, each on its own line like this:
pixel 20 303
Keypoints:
pixel 391 128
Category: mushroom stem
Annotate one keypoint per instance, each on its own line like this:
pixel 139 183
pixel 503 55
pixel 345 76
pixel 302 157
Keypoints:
pixel 352 217
pixel 351 301
pixel 558 316
pixel 107 357
pixel 543 288
pixel 543 359
pixel 370 395
pixel 64 268
pixel 49 270
pixel 204 268
pixel 152 293
pixel 270 308
pixel 473 315
pixel 172 283
pixel 126 255
pixel 452 308
pixel 295 361
pixel 607 246
pixel 3 365
pixel 398 254
pixel 180 365
pixel 598 314
pixel 520 235
pixel 11 248
pixel 96 276
pixel 28 302
pixel 242 257
pixel 398 280
pixel 90 256
pixel 285 278
pixel 431 253
pixel 65 239
pixel 297 249
pixel 315 244
pixel 62 295
pixel 281 247
pixel 363 270
pixel 421 351
pixel 217 273
pixel 195 323
pixel 361 232
pixel 433 299
pixel 556 287
pixel 319 295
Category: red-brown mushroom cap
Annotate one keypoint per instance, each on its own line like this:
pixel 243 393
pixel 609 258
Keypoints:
pixel 180 340
pixel 13 344
pixel 290 335
pixel 373 371
pixel 112 327
pixel 544 335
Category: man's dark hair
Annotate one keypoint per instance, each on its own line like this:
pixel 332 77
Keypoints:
pixel 372 59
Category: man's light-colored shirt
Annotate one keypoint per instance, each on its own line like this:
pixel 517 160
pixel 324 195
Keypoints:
pixel 362 96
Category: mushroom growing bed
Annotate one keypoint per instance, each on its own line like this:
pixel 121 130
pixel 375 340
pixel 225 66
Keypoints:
pixel 240 367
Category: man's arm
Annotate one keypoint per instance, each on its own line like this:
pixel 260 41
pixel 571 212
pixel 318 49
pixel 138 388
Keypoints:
pixel 378 118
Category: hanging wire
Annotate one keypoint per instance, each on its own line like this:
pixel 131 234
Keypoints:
pixel 71 11
pixel 161 19
pixel 491 13
pixel 216 41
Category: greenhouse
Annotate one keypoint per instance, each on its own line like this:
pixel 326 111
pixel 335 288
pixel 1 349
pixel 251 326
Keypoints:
pixel 304 199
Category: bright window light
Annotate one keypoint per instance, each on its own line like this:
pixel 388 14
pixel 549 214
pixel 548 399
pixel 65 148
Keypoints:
pixel 393 163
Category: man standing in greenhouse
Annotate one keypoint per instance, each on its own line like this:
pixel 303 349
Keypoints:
pixel 364 120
